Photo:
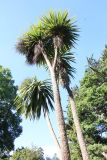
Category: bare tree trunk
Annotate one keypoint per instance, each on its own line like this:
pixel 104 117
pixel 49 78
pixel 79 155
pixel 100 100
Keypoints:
pixel 53 135
pixel 65 153
pixel 80 137
pixel 104 154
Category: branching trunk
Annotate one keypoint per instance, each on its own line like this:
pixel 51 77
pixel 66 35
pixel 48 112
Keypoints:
pixel 55 58
pixel 53 135
pixel 80 137
pixel 65 153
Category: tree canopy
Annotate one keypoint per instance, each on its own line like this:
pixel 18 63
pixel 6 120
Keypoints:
pixel 28 154
pixel 34 97
pixel 91 100
pixel 10 121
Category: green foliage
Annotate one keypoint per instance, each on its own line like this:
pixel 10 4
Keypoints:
pixel 7 88
pixel 28 154
pixel 58 24
pixel 64 68
pixel 40 37
pixel 30 45
pixel 34 97
pixel 91 101
pixel 10 121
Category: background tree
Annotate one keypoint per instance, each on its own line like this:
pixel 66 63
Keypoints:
pixel 28 154
pixel 55 157
pixel 10 121
pixel 91 100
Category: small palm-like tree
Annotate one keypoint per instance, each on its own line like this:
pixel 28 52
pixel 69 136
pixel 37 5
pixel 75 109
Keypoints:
pixel 34 98
pixel 55 32
pixel 65 73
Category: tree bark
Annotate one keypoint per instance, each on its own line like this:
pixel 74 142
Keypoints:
pixel 80 137
pixel 65 153
pixel 104 154
pixel 60 119
pixel 55 57
pixel 53 135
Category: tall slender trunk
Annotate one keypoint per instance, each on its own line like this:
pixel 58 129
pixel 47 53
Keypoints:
pixel 80 137
pixel 60 119
pixel 53 135
pixel 65 153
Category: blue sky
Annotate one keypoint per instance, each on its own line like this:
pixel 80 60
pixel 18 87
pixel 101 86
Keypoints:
pixel 15 18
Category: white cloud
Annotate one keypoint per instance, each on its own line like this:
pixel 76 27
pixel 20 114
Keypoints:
pixel 49 151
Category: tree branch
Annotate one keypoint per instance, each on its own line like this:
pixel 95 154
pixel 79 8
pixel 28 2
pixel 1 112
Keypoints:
pixel 55 57
pixel 47 60
pixel 52 131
